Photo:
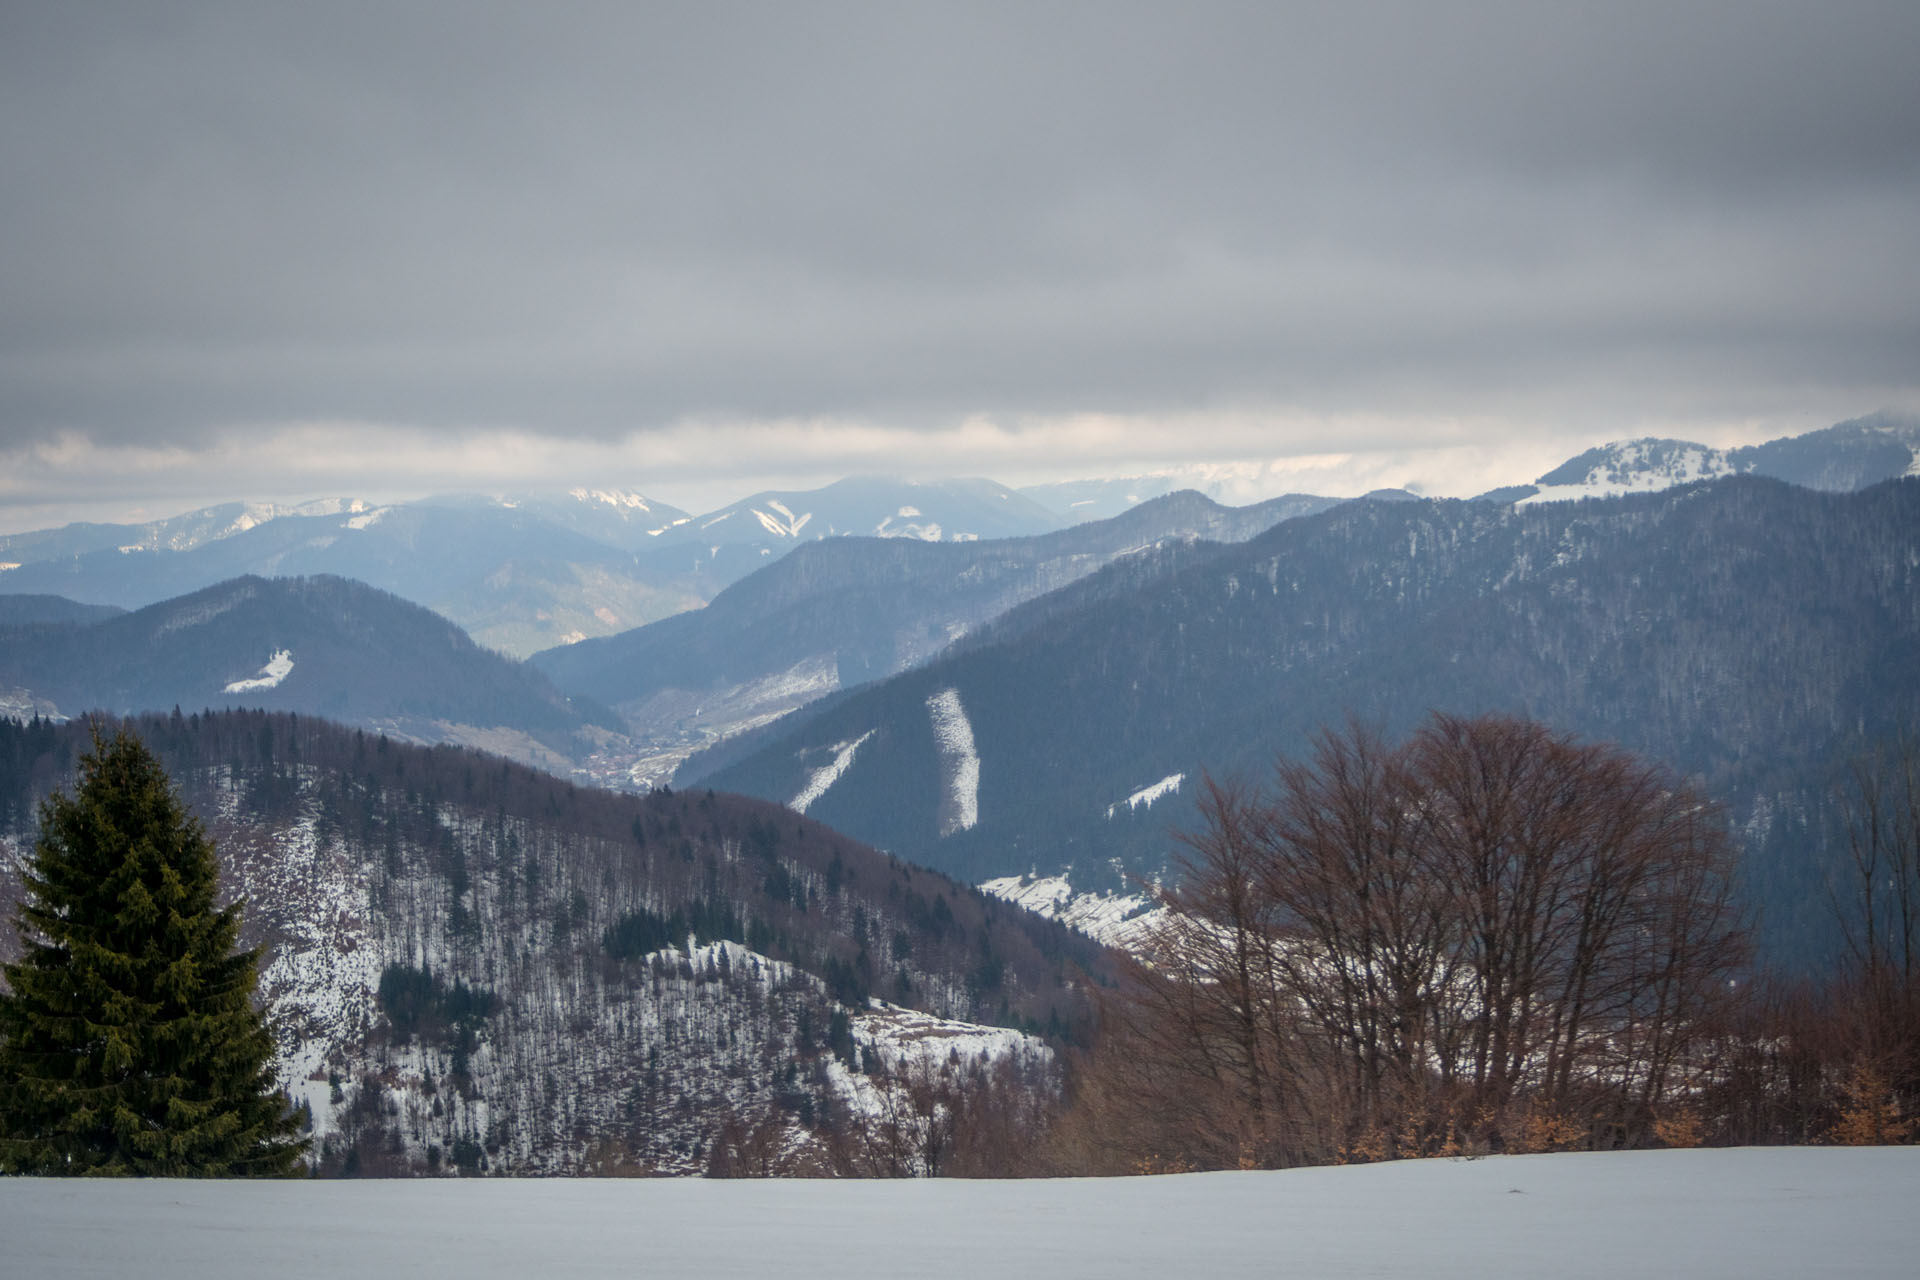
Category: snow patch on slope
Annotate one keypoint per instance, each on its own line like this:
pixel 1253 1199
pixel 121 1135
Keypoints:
pixel 910 1046
pixel 829 774
pixel 926 530
pixel 278 667
pixel 619 499
pixel 1638 466
pixel 25 704
pixel 783 525
pixel 953 736
pixel 1169 785
pixel 900 1037
pixel 1116 919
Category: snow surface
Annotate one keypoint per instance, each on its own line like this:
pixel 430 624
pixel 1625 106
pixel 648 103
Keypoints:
pixel 368 519
pixel 953 735
pixel 828 774
pixel 1750 1212
pixel 278 667
pixel 1117 919
pixel 1630 467
pixel 1168 785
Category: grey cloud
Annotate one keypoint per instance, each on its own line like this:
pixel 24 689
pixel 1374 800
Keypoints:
pixel 587 219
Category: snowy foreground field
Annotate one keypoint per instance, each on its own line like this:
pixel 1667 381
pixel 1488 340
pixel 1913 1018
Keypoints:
pixel 1755 1212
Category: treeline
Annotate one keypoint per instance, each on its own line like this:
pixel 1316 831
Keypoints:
pixel 1493 938
pixel 745 870
pixel 478 968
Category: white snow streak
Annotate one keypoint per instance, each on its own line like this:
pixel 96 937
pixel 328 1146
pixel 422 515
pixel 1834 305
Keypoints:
pixel 953 735
pixel 926 530
pixel 786 524
pixel 829 774
pixel 1168 785
pixel 276 670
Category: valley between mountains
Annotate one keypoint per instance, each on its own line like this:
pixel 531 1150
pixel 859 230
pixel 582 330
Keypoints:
pixel 584 835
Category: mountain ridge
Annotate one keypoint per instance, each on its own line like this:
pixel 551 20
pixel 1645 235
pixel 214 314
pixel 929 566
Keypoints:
pixel 1743 629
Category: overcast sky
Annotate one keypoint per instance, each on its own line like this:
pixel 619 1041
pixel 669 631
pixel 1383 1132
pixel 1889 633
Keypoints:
pixel 271 251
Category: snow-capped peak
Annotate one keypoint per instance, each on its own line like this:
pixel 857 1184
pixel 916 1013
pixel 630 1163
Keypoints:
pixel 618 499
pixel 1632 466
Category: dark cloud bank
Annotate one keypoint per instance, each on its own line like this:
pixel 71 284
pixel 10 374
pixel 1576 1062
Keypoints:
pixel 592 220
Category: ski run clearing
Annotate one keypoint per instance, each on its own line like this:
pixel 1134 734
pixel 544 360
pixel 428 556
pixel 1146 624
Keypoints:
pixel 960 763
pixel 1145 796
pixel 278 668
pixel 828 774
pixel 1784 1211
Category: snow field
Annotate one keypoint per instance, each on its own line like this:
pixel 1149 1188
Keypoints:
pixel 1752 1212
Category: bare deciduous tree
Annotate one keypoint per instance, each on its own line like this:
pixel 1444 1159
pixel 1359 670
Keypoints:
pixel 1488 932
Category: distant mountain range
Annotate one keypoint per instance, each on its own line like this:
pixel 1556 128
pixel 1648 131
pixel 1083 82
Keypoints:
pixel 1110 670
pixel 529 572
pixel 17 611
pixel 1745 631
pixel 844 611
pixel 319 646
pixel 1840 459
pixel 520 573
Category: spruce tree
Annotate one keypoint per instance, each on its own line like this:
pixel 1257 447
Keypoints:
pixel 129 1043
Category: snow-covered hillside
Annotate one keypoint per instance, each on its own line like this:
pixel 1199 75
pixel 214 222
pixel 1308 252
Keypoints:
pixel 1117 919
pixel 1633 466
pixel 1751 1212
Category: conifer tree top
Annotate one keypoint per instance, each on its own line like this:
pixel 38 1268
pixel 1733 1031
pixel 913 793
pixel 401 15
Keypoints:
pixel 129 1042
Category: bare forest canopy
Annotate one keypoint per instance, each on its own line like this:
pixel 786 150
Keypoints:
pixel 1488 937
pixel 474 964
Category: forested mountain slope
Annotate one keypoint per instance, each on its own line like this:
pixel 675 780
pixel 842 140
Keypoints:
pixel 1840 459
pixel 1747 632
pixel 844 611
pixel 324 646
pixel 476 965
pixel 518 577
